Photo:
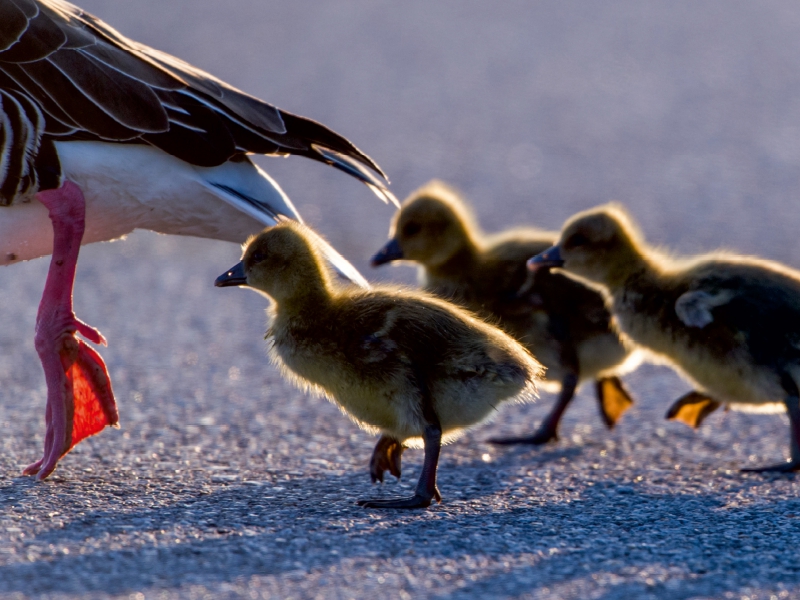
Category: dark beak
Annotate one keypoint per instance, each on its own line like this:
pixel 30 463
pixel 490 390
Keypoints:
pixel 233 276
pixel 391 251
pixel 549 258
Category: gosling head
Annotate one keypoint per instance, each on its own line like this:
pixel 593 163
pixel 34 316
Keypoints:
pixel 432 226
pixel 601 244
pixel 282 262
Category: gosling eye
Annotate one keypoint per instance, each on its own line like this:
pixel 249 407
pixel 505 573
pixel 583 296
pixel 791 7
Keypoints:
pixel 257 257
pixel 576 240
pixel 411 229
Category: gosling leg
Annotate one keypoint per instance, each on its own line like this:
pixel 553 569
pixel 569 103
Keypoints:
pixel 792 403
pixel 426 490
pixel 548 430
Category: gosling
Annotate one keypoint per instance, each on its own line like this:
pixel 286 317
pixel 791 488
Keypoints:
pixel 402 363
pixel 563 323
pixel 729 324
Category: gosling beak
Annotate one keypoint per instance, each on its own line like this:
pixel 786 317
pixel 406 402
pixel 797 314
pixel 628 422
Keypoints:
pixel 549 258
pixel 233 276
pixel 391 251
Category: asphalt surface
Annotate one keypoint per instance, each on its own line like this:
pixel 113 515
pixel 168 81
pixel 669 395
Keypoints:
pixel 225 482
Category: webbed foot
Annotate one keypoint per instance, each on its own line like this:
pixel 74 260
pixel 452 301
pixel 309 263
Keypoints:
pixel 416 501
pixel 789 466
pixel 692 409
pixel 543 436
pixel 386 456
pixel 80 401
pixel 613 398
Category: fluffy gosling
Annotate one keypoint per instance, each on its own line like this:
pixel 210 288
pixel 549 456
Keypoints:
pixel 405 364
pixel 730 324
pixel 562 322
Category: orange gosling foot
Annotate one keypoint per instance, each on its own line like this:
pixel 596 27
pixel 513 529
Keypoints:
pixel 80 401
pixel 387 456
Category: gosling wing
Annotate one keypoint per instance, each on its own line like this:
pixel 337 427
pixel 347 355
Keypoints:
pixel 748 305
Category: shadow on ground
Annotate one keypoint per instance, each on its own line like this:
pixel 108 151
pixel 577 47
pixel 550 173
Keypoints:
pixel 674 545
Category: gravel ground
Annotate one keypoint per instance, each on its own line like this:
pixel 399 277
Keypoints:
pixel 225 482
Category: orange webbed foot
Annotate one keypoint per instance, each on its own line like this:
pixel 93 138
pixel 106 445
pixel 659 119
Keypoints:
pixel 80 401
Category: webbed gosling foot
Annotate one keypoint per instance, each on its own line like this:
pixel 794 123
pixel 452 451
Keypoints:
pixel 386 456
pixel 790 466
pixel 692 409
pixel 792 403
pixel 548 429
pixel 543 436
pixel 427 490
pixel 416 501
pixel 613 398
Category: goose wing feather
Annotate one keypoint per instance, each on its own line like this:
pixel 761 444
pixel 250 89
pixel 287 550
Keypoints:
pixel 15 17
pixel 21 124
pixel 92 83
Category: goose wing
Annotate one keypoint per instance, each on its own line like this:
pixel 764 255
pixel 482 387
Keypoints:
pixel 86 81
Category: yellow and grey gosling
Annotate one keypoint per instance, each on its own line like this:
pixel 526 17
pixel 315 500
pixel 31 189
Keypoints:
pixel 561 321
pixel 405 364
pixel 729 323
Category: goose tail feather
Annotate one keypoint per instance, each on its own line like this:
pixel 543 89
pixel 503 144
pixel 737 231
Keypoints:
pixel 356 169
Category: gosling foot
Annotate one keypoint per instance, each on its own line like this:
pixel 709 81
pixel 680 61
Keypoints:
pixel 416 501
pixel 386 456
pixel 537 439
pixel 792 403
pixel 789 466
pixel 613 398
pixel 692 409
pixel 548 429
pixel 426 490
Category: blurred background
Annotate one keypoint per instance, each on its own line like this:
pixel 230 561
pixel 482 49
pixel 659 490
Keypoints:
pixel 687 112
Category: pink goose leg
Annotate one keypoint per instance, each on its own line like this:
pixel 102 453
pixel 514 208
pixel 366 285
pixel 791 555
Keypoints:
pixel 80 401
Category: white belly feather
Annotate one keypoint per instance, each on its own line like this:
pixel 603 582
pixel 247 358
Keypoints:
pixel 129 187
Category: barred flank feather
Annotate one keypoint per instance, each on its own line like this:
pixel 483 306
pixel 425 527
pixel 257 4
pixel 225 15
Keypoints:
pixel 21 130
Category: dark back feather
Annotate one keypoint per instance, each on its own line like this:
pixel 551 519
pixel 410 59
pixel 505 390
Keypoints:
pixel 89 82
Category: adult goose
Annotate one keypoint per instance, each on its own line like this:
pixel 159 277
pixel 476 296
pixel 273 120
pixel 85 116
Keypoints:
pixel 100 135
pixel 729 323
